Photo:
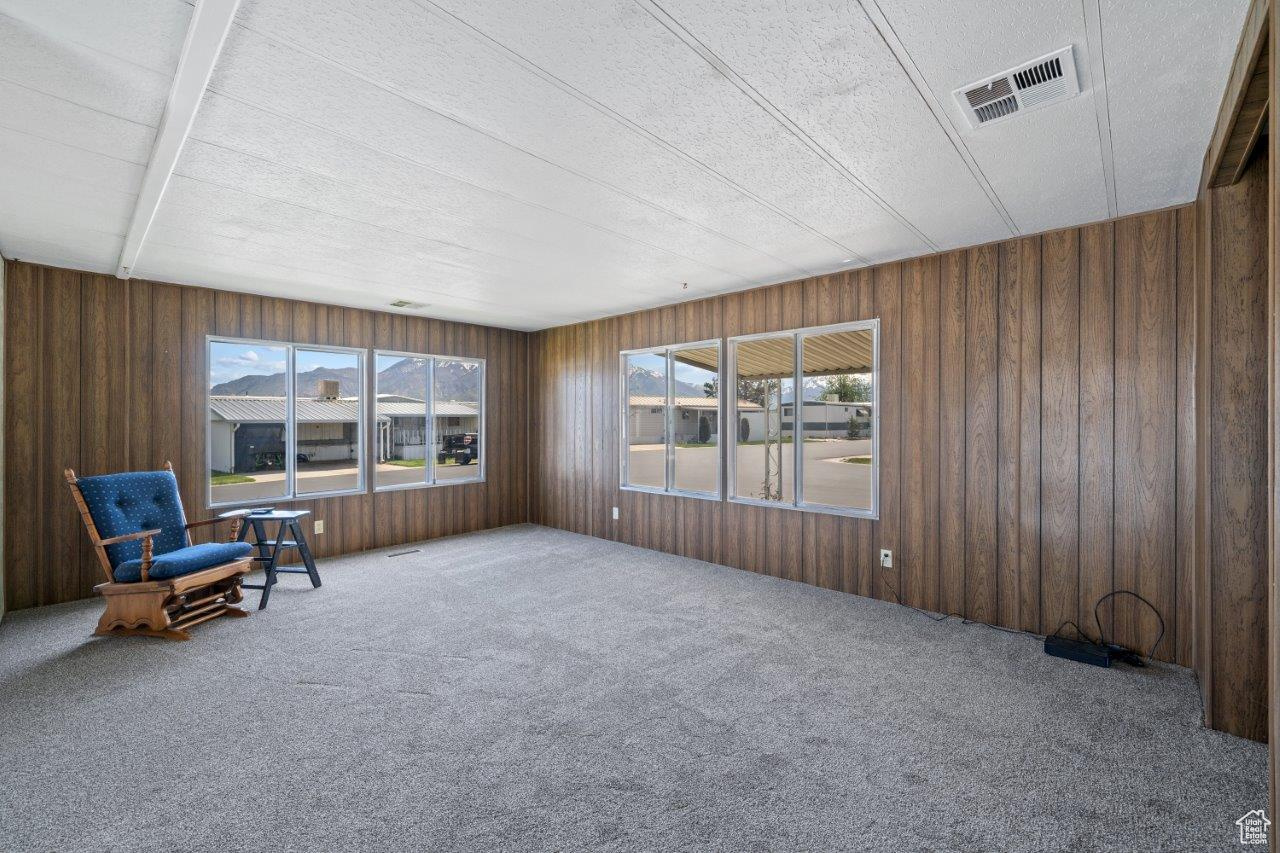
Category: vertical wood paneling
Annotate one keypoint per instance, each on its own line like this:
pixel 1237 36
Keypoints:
pixel 919 489
pixel 981 420
pixel 141 359
pixel 1097 423
pixel 104 310
pixel 106 375
pixel 1029 417
pixel 953 432
pixel 167 376
pixel 1237 489
pixel 1008 432
pixel 1029 463
pixel 887 281
pixel 1146 421
pixel 22 441
pixel 1060 460
pixel 1184 627
pixel 999 458
pixel 62 572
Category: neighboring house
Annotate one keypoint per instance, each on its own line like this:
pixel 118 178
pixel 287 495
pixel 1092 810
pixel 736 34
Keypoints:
pixel 694 417
pixel 247 433
pixel 402 425
pixel 822 419
pixel 830 418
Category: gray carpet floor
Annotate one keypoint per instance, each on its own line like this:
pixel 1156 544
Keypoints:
pixel 530 689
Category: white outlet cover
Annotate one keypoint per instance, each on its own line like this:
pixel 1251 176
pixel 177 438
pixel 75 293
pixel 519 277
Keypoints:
pixel 886 558
pixel 615 513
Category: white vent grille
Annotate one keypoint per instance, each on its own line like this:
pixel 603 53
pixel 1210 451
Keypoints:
pixel 1039 83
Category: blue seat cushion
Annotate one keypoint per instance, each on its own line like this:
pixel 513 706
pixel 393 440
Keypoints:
pixel 183 561
pixel 132 502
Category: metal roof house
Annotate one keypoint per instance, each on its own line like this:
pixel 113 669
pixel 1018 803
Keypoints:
pixel 247 433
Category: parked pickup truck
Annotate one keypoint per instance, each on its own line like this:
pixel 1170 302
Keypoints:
pixel 463 448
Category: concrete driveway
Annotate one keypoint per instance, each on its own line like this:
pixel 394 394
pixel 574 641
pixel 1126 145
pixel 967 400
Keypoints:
pixel 316 477
pixel 829 479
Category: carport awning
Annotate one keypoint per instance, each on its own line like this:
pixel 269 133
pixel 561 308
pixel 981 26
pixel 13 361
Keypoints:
pixel 824 355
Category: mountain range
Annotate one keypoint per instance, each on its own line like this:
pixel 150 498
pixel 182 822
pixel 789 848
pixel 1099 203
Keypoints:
pixel 650 383
pixel 454 381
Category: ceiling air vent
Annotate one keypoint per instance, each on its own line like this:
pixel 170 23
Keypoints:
pixel 1038 83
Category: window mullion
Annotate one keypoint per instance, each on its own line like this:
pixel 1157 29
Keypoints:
pixel 430 449
pixel 797 423
pixel 671 422
pixel 291 425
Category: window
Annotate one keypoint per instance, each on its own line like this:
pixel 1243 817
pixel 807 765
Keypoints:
pixel 429 420
pixel 285 420
pixel 806 429
pixel 671 419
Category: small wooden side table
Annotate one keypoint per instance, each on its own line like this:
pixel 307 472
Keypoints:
pixel 270 547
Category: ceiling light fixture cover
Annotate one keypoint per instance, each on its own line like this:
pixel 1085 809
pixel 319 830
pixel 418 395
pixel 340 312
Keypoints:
pixel 1050 79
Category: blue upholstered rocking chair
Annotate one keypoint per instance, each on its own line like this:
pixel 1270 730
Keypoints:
pixel 158 584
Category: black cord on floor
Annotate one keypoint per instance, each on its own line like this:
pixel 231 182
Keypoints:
pixel 1102 635
pixel 943 617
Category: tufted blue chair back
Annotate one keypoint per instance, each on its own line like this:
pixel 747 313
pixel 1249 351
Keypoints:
pixel 134 501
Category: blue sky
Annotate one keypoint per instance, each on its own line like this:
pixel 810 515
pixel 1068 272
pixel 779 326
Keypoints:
pixel 231 361
pixel 693 375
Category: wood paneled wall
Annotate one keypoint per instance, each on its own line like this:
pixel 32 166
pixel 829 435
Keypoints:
pixel 105 375
pixel 1232 428
pixel 1037 432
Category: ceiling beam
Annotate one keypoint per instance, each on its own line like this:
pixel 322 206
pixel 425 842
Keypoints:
pixel 1242 114
pixel 210 22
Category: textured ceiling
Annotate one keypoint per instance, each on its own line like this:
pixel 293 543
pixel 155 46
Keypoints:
pixel 536 163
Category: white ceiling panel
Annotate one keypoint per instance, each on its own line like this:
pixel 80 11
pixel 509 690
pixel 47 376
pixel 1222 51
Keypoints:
pixel 1166 68
pixel 617 53
pixel 58 244
pixel 68 161
pixel 268 278
pixel 529 164
pixel 847 90
pixel 1045 166
pixel 147 33
pixel 407 200
pixel 314 92
pixel 39 60
pixel 39 191
pixel 82 88
pixel 489 90
pixel 208 209
pixel 40 116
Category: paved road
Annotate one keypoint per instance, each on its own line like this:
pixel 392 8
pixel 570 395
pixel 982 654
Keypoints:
pixel 828 480
pixel 330 477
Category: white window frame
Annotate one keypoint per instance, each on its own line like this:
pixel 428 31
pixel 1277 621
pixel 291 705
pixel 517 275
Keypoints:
pixel 624 420
pixel 429 480
pixel 290 432
pixel 797 419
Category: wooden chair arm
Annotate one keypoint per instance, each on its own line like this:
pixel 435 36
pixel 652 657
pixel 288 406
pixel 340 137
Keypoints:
pixel 236 518
pixel 145 536
pixel 129 537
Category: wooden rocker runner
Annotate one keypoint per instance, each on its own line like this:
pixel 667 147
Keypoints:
pixel 158 584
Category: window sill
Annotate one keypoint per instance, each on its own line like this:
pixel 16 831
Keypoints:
pixel 702 496
pixel 409 487
pixel 845 512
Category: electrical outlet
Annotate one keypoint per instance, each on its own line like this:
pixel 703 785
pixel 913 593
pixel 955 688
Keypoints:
pixel 615 513
pixel 886 558
pixel 319 526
